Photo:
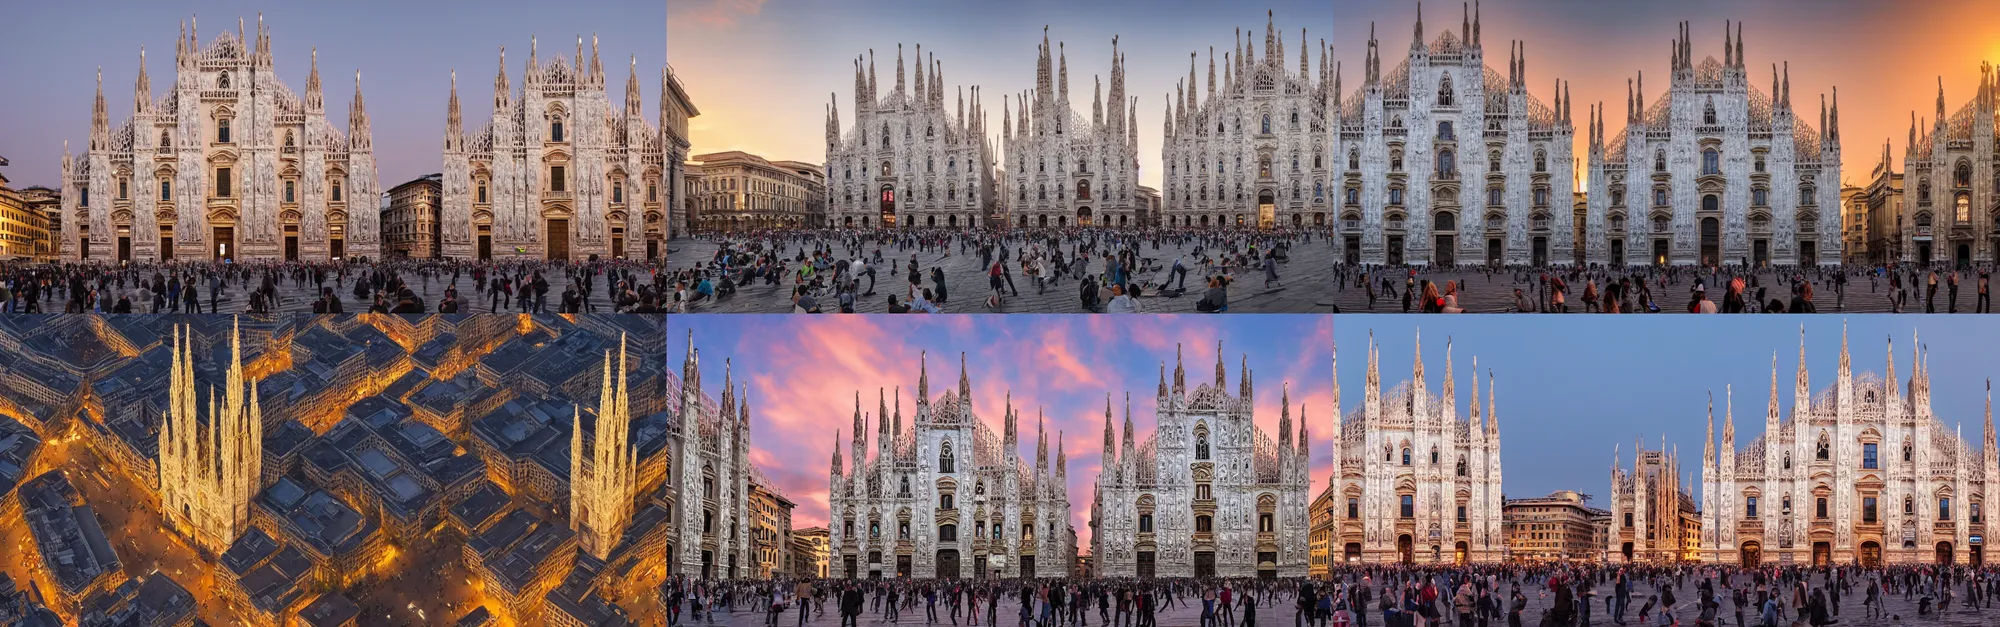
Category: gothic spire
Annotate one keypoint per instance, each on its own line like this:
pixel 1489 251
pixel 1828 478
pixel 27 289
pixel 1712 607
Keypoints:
pixel 1475 42
pixel 633 106
pixel 100 121
pixel 1110 458
pixel 1180 373
pixel 964 382
pixel 923 376
pixel 315 101
pixel 596 64
pixel 1221 377
pixel 454 128
pixel 502 91
pixel 1418 38
pixel 1097 102
pixel 1285 418
pixel 142 90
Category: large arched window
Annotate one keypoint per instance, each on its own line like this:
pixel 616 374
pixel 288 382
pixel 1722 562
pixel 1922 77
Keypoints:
pixel 1267 124
pixel 1447 163
pixel 1659 161
pixel 1708 113
pixel 1541 161
pixel 946 462
pixel 1201 445
pixel 1445 96
pixel 555 130
pixel 222 130
pixel 1963 176
pixel 1711 162
pixel 1962 212
pixel 1444 131
pixel 1083 190
pixel 1406 456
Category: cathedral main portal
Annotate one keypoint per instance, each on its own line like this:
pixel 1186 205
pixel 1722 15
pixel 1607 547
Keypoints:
pixel 1267 210
pixel 558 239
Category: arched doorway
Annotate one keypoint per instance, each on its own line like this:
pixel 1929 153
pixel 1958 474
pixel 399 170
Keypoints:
pixel 1617 253
pixel 930 220
pixel 1870 555
pixel 1539 251
pixel 1461 553
pixel 1083 216
pixel 1751 554
pixel 1964 258
pixel 1204 564
pixel 1267 209
pixel 1822 553
pixel 1711 238
pixel 1493 252
pixel 1626 550
pixel 1944 554
pixel 888 206
pixel 1351 553
pixel 947 563
pixel 1406 550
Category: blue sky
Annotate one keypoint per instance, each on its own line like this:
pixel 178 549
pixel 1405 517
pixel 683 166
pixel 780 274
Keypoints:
pixel 404 50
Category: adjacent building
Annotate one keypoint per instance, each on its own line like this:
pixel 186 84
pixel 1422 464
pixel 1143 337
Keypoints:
pixel 1559 527
pixel 559 172
pixel 1862 473
pixel 809 552
pixel 899 512
pixel 410 226
pixel 1886 218
pixel 24 226
pixel 675 110
pixel 1066 170
pixel 1208 494
pixel 229 164
pixel 771 531
pixel 738 191
pixel 1654 517
pixel 1413 482
pixel 1953 202
pixel 76 559
pixel 909 159
pixel 1715 171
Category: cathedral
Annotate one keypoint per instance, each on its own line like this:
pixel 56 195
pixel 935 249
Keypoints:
pixel 1444 161
pixel 1951 209
pixel 601 493
pixel 1729 174
pixel 1654 519
pixel 559 173
pixel 909 160
pixel 1062 189
pixel 1166 508
pixel 210 471
pixel 229 164
pixel 1862 473
pixel 896 514
pixel 711 466
pixel 1402 456
pixel 1289 145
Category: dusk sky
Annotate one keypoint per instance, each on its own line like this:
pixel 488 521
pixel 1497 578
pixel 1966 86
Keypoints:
pixel 1569 389
pixel 404 50
pixel 761 71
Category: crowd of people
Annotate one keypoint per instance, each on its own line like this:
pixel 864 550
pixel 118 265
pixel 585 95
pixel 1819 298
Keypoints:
pixel 1564 595
pixel 390 286
pixel 1120 270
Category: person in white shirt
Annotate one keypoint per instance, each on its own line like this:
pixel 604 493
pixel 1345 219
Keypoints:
pixel 1121 302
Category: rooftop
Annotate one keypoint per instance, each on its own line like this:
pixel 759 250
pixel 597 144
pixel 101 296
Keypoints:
pixel 18 445
pixel 67 533
pixel 316 517
pixel 152 599
pixel 329 610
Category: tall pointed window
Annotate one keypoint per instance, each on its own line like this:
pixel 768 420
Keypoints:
pixel 222 131
pixel 946 462
pixel 556 131
pixel 1445 96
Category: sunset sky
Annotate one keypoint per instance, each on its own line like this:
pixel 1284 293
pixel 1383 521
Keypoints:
pixel 1570 390
pixel 762 70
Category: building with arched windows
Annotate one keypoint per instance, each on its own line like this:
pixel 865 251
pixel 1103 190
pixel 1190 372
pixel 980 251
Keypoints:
pixel 909 161
pixel 1414 483
pixel 1715 172
pixel 1179 504
pixel 559 173
pixel 945 498
pixel 738 191
pixel 1444 161
pixel 1951 198
pixel 1257 151
pixel 228 164
pixel 1065 171
pixel 1862 473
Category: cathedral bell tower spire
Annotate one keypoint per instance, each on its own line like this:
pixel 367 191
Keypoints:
pixel 1180 373
pixel 634 107
pixel 142 89
pixel 100 121
pixel 358 134
pixel 1221 376
pixel 315 100
pixel 503 91
pixel 454 127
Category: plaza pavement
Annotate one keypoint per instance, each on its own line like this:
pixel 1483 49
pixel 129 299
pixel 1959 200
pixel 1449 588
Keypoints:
pixel 1306 285
pixel 1278 612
